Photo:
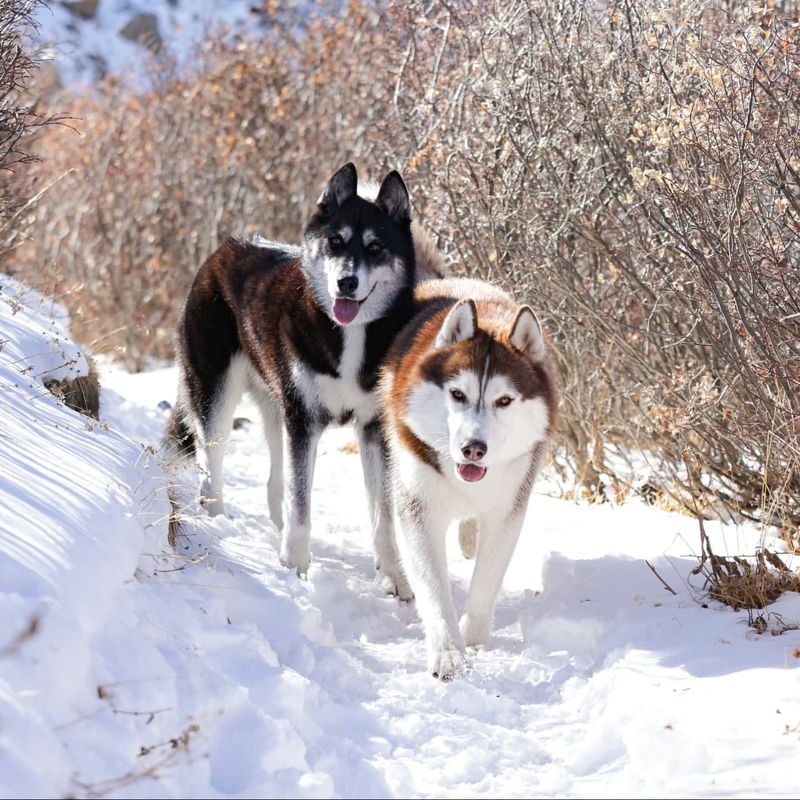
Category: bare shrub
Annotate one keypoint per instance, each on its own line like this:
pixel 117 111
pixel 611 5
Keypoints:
pixel 18 116
pixel 146 193
pixel 630 168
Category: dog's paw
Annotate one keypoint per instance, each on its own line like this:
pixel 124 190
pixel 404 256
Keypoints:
pixel 394 582
pixel 446 663
pixel 211 500
pixel 295 552
pixel 302 570
pixel 293 561
pixel 474 629
pixel 214 507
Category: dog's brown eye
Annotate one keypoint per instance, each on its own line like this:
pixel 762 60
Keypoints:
pixel 336 242
pixel 458 395
pixel 503 401
pixel 373 248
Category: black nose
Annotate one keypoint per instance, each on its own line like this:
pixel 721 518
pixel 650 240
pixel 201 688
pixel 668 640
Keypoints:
pixel 348 284
pixel 473 450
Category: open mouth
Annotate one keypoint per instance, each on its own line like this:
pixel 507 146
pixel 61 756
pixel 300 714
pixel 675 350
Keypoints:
pixel 345 309
pixel 470 472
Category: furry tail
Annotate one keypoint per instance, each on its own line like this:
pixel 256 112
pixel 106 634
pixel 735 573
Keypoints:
pixel 179 438
pixel 430 263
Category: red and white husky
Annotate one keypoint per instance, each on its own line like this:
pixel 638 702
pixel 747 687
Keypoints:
pixel 469 404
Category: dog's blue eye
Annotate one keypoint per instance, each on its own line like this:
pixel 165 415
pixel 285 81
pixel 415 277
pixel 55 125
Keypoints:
pixel 336 242
pixel 458 395
pixel 374 248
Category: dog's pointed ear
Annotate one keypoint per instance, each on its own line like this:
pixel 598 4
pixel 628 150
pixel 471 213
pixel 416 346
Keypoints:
pixel 393 197
pixel 459 325
pixel 526 334
pixel 341 187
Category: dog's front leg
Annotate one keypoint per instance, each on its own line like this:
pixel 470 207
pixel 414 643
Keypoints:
pixel 495 546
pixel 425 561
pixel 300 451
pixel 374 460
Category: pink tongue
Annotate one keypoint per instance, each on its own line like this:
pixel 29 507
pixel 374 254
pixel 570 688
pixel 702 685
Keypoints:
pixel 471 472
pixel 345 310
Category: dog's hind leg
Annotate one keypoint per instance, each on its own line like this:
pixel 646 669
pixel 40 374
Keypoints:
pixel 301 437
pixel 213 432
pixel 496 543
pixel 212 380
pixel 273 433
pixel 374 459
pixel 468 537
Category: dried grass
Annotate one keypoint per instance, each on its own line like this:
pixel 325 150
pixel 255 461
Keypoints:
pixel 743 583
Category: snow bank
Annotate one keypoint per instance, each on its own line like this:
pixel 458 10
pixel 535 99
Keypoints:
pixel 74 500
pixel 36 337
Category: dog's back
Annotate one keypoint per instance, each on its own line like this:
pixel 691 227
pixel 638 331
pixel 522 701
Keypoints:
pixel 224 315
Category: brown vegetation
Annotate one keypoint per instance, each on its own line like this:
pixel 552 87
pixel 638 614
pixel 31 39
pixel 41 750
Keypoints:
pixel 751 583
pixel 19 118
pixel 630 168
pixel 81 394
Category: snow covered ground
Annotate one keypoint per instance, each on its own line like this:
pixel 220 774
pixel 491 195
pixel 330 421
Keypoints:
pixel 127 670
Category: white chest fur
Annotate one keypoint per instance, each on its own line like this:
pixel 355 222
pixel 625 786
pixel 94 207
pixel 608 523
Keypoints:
pixel 342 394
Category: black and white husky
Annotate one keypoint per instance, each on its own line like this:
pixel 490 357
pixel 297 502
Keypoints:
pixel 304 329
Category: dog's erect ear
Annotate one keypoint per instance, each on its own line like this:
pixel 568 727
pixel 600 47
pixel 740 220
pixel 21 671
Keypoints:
pixel 526 333
pixel 341 187
pixel 459 325
pixel 393 197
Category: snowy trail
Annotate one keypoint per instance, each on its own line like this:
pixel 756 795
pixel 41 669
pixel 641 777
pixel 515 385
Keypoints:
pixel 128 669
pixel 597 682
